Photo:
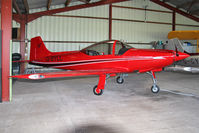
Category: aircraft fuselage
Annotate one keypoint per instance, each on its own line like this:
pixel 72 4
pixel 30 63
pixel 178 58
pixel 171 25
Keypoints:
pixel 133 60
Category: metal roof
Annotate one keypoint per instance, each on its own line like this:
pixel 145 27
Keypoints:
pixel 189 6
pixel 34 4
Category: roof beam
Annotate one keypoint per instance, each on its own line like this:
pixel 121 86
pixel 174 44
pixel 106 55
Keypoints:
pixel 85 1
pixel 25 2
pixel 33 16
pixel 48 4
pixel 67 3
pixel 16 7
pixel 175 9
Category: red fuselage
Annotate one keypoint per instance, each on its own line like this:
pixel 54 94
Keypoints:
pixel 141 60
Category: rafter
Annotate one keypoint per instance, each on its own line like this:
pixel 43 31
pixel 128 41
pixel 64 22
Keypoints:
pixel 25 2
pixel 16 7
pixel 67 3
pixel 49 4
pixel 76 7
pixel 175 9
pixel 36 15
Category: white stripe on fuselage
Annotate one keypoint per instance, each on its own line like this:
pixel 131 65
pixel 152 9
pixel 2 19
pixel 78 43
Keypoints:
pixel 95 61
pixel 129 58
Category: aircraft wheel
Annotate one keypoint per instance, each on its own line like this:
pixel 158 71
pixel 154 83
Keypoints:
pixel 97 91
pixel 119 80
pixel 155 89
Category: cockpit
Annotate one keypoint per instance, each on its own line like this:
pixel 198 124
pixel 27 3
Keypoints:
pixel 110 47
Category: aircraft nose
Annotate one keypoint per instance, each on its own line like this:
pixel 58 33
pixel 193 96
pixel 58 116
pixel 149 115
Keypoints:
pixel 181 56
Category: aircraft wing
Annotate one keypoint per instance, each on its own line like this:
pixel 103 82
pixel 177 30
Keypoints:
pixel 70 73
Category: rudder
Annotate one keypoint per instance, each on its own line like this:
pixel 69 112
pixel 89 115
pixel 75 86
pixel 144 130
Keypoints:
pixel 173 44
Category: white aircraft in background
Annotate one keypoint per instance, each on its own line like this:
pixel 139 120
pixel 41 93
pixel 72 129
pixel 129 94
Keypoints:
pixel 190 64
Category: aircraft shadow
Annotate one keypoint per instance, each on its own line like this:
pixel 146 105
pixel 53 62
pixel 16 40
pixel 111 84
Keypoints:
pixel 93 128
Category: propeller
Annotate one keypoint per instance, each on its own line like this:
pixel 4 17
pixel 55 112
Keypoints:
pixel 177 54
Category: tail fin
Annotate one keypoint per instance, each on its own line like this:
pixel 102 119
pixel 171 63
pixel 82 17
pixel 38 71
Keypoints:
pixel 174 44
pixel 37 49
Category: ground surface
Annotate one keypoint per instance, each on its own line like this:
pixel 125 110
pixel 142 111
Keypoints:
pixel 69 106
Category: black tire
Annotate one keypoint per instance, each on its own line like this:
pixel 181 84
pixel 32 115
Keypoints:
pixel 94 91
pixel 155 89
pixel 119 80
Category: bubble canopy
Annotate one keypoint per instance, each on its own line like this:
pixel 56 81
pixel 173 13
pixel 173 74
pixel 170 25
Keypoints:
pixel 109 47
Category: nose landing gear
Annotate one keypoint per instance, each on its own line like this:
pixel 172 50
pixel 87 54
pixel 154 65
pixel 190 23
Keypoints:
pixel 155 89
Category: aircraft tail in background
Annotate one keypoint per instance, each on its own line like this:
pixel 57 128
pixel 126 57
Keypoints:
pixel 173 44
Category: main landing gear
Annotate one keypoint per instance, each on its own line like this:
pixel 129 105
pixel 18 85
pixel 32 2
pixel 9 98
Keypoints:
pixel 98 89
pixel 155 88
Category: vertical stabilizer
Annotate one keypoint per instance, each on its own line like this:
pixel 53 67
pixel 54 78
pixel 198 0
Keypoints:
pixel 173 44
pixel 37 49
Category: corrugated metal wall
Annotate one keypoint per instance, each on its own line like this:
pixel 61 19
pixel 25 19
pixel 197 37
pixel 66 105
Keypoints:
pixel 183 20
pixel 61 28
pixel 141 32
pixel 52 28
pixel 65 28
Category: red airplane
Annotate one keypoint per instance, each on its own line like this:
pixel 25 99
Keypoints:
pixel 106 58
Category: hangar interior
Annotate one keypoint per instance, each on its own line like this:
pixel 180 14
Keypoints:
pixel 136 22
pixel 67 105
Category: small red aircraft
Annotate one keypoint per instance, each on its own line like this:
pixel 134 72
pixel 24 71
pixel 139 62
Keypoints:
pixel 106 58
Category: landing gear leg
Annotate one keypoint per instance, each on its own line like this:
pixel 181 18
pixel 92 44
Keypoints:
pixel 98 89
pixel 155 88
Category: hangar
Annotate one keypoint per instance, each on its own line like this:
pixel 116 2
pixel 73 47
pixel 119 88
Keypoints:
pixel 67 104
